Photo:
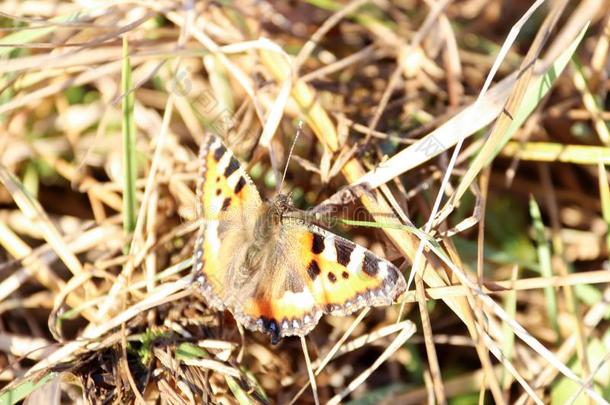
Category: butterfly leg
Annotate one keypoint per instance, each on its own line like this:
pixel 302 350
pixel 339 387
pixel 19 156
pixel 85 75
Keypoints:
pixel 346 195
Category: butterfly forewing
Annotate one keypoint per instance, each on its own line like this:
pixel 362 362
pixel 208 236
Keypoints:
pixel 224 186
pixel 225 195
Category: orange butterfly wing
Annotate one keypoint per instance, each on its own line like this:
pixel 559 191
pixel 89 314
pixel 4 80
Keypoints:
pixel 225 193
pixel 339 277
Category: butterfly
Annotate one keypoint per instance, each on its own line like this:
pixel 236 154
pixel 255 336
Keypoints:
pixel 275 272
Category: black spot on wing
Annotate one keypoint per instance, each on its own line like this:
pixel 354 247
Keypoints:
pixel 218 152
pixel 240 184
pixel 345 275
pixel 313 270
pixel 226 203
pixel 370 264
pixel 317 244
pixel 232 167
pixel 332 277
pixel 344 251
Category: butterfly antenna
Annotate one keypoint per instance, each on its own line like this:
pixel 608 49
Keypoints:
pixel 294 142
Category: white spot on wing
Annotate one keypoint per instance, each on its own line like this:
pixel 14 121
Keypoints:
pixel 355 260
pixel 382 267
pixel 301 299
pixel 216 144
pixel 216 205
pixel 223 163
pixel 234 178
pixel 330 252
pixel 211 235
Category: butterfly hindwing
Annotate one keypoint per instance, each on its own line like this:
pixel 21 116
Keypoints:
pixel 288 314
pixel 334 276
pixel 344 276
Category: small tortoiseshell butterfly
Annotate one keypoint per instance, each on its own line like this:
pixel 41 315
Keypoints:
pixel 276 273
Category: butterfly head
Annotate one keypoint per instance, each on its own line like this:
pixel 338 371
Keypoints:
pixel 282 203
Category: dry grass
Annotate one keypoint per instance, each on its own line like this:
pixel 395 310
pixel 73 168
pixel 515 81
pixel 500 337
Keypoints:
pixel 472 138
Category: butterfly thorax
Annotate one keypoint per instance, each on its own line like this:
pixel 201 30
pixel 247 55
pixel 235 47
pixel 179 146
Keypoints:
pixel 267 227
pixel 269 218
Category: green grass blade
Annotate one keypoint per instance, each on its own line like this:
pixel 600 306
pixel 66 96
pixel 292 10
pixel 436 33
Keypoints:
pixel 26 35
pixel 535 92
pixel 188 350
pixel 557 152
pixel 15 44
pixel 240 395
pixel 604 192
pixel 367 14
pixel 129 145
pixel 12 395
pixel 544 257
pixel 591 102
pixel 565 391
pixel 508 345
pixel 432 243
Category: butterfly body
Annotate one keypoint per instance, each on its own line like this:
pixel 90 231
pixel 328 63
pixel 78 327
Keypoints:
pixel 263 262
